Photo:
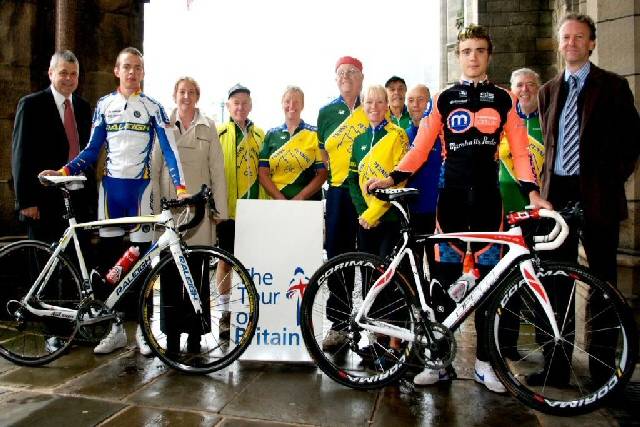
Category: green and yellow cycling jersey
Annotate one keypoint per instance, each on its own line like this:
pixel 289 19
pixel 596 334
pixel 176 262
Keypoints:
pixel 512 198
pixel 404 121
pixel 292 159
pixel 337 128
pixel 375 154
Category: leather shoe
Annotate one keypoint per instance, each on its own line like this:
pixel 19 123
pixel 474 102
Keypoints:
pixel 548 379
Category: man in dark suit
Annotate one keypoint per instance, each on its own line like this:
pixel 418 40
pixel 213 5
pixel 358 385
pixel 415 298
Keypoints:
pixel 590 130
pixel 51 126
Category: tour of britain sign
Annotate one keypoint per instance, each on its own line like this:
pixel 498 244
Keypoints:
pixel 280 244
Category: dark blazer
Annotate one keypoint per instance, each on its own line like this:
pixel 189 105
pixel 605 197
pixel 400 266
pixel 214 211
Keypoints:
pixel 609 140
pixel 39 143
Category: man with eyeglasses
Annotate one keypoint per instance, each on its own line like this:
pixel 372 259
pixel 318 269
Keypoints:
pixel 339 122
pixel 471 116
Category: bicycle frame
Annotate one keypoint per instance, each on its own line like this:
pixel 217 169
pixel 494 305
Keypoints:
pixel 519 254
pixel 169 238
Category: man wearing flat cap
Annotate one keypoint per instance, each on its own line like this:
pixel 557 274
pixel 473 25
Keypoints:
pixel 396 91
pixel 339 122
pixel 241 143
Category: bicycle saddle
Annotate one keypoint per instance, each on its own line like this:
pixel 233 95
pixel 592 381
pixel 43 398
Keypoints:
pixel 391 194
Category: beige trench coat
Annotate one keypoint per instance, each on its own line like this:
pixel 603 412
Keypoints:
pixel 202 163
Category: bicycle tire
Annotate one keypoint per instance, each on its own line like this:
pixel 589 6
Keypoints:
pixel 215 351
pixel 598 348
pixel 361 361
pixel 25 338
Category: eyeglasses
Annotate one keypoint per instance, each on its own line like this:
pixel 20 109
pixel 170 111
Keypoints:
pixel 348 73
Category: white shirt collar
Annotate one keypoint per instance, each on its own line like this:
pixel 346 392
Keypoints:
pixel 58 97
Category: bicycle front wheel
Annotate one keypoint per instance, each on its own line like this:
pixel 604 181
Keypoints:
pixel 341 348
pixel 25 337
pixel 594 356
pixel 206 341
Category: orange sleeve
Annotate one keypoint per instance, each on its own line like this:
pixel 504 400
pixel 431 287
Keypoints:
pixel 430 128
pixel 516 131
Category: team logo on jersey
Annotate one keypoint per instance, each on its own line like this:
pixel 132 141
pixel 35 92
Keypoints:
pixel 487 97
pixel 462 93
pixel 427 110
pixel 487 120
pixel 137 114
pixel 459 120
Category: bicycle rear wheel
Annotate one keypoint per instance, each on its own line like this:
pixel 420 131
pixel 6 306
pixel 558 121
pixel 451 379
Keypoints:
pixel 341 348
pixel 199 342
pixel 596 353
pixel 27 338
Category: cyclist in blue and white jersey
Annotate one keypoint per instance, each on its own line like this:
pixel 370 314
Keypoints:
pixel 126 123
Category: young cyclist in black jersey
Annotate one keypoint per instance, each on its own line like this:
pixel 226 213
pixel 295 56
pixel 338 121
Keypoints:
pixel 471 115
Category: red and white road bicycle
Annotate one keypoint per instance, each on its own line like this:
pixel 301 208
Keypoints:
pixel 534 308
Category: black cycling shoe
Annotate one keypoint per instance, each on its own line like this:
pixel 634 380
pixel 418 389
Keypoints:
pixel 548 379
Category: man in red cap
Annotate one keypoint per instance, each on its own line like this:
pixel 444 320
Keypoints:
pixel 339 122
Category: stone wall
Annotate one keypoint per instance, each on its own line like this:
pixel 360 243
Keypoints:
pixel 27 29
pixel 520 30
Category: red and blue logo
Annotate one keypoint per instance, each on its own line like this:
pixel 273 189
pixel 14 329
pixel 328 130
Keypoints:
pixel 297 286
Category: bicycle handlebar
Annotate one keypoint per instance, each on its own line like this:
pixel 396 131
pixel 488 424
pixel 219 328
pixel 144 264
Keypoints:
pixel 556 237
pixel 547 242
pixel 198 200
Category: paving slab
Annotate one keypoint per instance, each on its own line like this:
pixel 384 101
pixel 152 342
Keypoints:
pixel 299 394
pixel 79 360
pixel 459 403
pixel 23 408
pixel 118 378
pixel 210 392
pixel 594 419
pixel 239 422
pixel 139 416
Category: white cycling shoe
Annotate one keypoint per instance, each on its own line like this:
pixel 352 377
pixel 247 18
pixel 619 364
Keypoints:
pixel 484 374
pixel 117 338
pixel 432 376
pixel 143 347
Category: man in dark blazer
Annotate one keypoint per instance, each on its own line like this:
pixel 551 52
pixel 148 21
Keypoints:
pixel 40 141
pixel 589 158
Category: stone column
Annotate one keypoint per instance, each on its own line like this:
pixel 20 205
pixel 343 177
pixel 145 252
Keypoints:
pixel 66 24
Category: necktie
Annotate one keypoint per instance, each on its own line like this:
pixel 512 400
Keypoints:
pixel 71 130
pixel 570 154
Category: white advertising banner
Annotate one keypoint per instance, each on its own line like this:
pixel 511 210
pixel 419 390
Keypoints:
pixel 280 244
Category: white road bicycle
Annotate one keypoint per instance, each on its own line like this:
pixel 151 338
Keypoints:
pixel 45 302
pixel 593 332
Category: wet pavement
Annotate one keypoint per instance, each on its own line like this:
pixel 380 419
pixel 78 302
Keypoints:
pixel 125 388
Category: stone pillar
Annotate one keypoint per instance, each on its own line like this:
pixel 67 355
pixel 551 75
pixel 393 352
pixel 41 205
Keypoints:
pixel 66 24
pixel 95 30
pixel 522 37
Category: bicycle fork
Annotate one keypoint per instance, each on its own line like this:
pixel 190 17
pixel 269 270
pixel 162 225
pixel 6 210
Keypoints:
pixel 531 279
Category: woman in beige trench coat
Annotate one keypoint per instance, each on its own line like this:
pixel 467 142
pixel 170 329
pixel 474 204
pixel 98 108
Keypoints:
pixel 202 163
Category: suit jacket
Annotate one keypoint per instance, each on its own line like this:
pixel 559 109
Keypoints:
pixel 40 142
pixel 609 140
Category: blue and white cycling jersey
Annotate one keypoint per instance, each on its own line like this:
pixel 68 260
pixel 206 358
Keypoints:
pixel 128 126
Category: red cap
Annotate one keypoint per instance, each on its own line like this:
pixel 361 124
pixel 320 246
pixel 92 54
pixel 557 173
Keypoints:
pixel 349 60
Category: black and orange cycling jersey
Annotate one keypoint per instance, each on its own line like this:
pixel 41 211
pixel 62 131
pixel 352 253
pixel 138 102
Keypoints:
pixel 471 118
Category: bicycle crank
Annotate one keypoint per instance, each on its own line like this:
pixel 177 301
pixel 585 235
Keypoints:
pixel 94 320
pixel 440 348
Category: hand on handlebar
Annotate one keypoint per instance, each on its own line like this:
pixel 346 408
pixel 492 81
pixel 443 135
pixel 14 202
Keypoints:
pixel 538 202
pixel 373 183
pixel 183 196
pixel 49 172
